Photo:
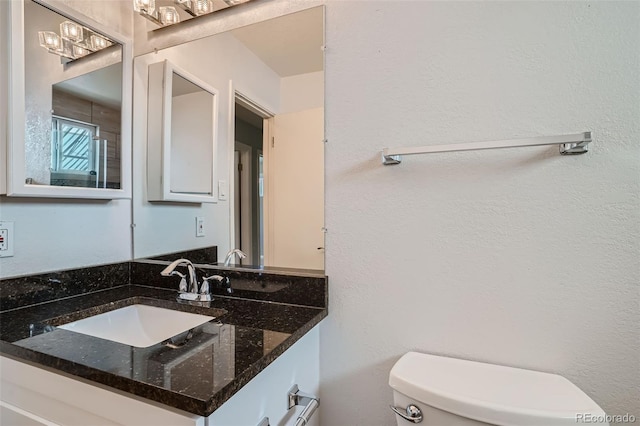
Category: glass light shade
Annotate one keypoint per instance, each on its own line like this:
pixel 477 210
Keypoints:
pixel 79 51
pixel 66 49
pixel 97 42
pixel 50 40
pixel 146 6
pixel 235 2
pixel 71 31
pixel 201 7
pixel 168 15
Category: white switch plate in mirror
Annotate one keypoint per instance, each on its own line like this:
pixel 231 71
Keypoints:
pixel 223 190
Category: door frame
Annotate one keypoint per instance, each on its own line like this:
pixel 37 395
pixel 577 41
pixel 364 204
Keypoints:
pixel 247 101
pixel 245 203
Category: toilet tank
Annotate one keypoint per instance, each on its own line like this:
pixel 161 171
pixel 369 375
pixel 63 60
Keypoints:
pixel 460 392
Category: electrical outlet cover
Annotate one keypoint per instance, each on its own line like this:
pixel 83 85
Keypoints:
pixel 6 239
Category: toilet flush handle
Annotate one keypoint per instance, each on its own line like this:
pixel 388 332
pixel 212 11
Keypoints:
pixel 412 413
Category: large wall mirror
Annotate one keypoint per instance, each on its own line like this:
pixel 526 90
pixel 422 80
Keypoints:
pixel 69 121
pixel 269 159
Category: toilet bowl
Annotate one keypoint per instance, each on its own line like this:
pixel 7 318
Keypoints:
pixel 440 391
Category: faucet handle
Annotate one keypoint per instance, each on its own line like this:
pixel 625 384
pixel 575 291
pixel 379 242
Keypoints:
pixel 182 288
pixel 204 288
pixel 222 282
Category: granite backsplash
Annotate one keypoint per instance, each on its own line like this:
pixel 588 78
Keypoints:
pixel 34 289
pixel 305 289
pixel 258 285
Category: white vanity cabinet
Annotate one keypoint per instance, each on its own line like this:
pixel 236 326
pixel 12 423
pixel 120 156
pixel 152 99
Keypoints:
pixel 266 394
pixel 36 396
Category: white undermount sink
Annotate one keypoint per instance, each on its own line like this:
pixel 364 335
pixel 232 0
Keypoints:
pixel 137 325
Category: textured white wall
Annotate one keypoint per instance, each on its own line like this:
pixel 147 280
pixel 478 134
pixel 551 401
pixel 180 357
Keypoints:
pixel 62 234
pixel 515 257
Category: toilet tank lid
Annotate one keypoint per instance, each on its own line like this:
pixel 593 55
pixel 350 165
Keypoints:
pixel 492 393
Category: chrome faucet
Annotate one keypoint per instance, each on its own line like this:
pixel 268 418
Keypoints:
pixel 204 295
pixel 193 279
pixel 230 255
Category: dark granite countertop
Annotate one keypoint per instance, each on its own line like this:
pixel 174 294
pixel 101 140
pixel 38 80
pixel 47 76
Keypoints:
pixel 197 376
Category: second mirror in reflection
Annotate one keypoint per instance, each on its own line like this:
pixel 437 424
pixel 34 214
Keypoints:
pixel 73 99
pixel 182 124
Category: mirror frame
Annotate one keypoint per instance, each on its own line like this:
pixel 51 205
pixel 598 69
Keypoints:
pixel 16 186
pixel 4 89
pixel 159 99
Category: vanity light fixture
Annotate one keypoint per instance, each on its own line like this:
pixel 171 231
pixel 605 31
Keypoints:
pixel 71 31
pixel 144 6
pixel 196 7
pixel 97 42
pixel 169 15
pixel 79 52
pixel 74 41
pixel 201 7
pixel 162 16
pixel 50 41
pixel 235 2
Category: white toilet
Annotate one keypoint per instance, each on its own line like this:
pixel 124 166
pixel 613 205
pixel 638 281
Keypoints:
pixel 439 391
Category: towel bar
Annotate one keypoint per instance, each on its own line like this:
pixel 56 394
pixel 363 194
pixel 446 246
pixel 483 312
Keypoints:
pixel 569 144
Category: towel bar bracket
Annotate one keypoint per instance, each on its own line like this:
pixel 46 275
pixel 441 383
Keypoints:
pixel 574 148
pixel 264 422
pixel 309 402
pixel 390 160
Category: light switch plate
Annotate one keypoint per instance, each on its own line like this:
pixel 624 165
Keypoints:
pixel 6 239
pixel 223 190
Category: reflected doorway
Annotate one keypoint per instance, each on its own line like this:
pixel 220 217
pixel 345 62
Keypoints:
pixel 249 181
pixel 279 186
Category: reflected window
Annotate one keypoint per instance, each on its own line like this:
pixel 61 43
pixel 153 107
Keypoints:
pixel 73 146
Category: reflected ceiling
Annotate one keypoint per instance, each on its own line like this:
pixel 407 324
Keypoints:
pixel 289 45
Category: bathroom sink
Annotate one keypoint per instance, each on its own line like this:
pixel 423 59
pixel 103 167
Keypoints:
pixel 137 325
